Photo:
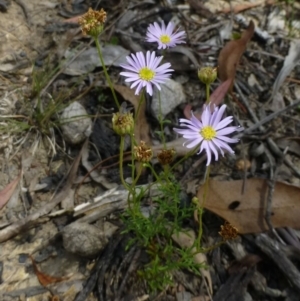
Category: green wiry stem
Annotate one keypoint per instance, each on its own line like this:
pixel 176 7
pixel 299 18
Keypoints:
pixel 106 73
pixel 200 208
pixel 187 155
pixel 121 164
pixel 158 179
pixel 142 99
pixel 206 250
pixel 207 89
pixel 161 122
pixel 132 141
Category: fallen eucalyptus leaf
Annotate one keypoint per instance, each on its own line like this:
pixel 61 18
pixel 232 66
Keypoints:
pixel 218 95
pixel 43 278
pixel 230 55
pixel 247 211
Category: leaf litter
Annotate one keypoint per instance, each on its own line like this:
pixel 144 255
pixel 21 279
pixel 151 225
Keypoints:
pixel 251 200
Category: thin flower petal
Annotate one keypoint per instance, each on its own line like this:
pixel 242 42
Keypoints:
pixel 208 152
pixel 215 143
pixel 219 115
pixel 206 115
pixel 192 136
pixel 196 121
pixel 194 143
pixel 191 122
pixel 224 145
pixel 227 131
pixel 184 131
pixel 224 122
pixel 228 140
pixel 214 150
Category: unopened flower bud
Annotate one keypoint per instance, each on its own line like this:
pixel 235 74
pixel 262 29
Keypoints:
pixel 207 75
pixel 92 22
pixel 123 123
pixel 195 200
pixel 166 156
pixel 143 153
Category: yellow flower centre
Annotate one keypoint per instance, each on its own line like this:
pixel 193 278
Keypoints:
pixel 146 74
pixel 165 39
pixel 208 133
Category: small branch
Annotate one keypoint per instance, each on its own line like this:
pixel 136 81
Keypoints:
pixel 274 250
pixel 271 117
pixel 272 145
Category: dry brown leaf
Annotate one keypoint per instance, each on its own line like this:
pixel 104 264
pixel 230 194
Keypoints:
pixel 230 55
pixel 141 128
pixel 247 211
pixel 7 192
pixel 43 278
pixel 218 95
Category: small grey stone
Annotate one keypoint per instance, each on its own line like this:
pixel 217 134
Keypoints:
pixel 171 95
pixel 88 60
pixel 75 130
pixel 83 239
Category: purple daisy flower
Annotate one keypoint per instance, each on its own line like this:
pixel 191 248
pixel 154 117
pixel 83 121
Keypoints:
pixel 144 71
pixel 211 132
pixel 165 36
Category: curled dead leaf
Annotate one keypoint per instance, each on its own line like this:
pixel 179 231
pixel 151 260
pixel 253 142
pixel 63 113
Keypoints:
pixel 43 278
pixel 218 95
pixel 230 55
pixel 247 211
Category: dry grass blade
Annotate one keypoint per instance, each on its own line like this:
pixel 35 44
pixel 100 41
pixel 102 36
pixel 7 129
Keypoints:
pixel 7 192
pixel 242 7
pixel 230 55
